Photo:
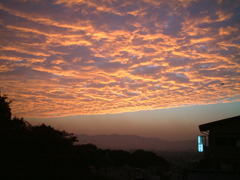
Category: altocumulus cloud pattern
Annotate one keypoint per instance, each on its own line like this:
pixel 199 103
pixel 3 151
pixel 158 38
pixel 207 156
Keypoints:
pixel 69 57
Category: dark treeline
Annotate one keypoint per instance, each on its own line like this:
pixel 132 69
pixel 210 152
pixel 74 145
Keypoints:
pixel 42 152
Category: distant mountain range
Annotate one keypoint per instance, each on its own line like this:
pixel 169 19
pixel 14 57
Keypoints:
pixel 132 142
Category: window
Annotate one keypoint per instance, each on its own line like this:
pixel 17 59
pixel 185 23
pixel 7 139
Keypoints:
pixel 201 143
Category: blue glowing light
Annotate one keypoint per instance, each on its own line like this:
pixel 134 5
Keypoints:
pixel 200 144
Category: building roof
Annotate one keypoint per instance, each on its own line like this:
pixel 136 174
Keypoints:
pixel 223 122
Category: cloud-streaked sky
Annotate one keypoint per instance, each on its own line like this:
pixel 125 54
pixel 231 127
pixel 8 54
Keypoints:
pixel 78 57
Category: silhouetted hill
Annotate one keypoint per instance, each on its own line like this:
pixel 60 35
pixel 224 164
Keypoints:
pixel 132 142
pixel 41 152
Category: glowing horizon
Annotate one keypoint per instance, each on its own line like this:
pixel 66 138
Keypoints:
pixel 75 57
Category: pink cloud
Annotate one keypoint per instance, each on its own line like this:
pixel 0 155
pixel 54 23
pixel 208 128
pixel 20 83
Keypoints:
pixel 70 57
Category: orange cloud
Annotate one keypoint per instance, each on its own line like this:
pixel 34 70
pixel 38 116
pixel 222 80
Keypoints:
pixel 72 57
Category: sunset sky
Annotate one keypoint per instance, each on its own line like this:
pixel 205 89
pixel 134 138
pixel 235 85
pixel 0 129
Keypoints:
pixel 154 68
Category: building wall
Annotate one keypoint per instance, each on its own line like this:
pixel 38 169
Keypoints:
pixel 224 146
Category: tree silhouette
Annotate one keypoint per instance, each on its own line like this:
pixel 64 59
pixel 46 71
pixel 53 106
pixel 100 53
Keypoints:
pixel 5 110
pixel 42 152
pixel 36 152
pixel 49 139
pixel 143 158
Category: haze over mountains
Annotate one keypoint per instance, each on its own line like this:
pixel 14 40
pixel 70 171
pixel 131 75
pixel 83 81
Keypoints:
pixel 132 142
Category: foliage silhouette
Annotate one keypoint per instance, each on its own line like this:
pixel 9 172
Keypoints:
pixel 5 111
pixel 36 152
pixel 143 158
pixel 42 152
